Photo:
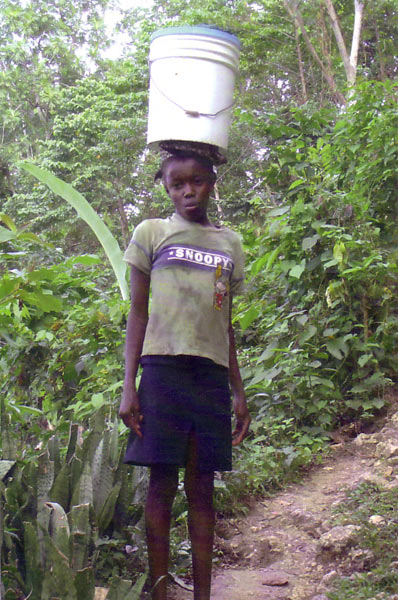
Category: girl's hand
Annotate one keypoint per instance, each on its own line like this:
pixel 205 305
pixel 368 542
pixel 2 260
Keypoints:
pixel 129 410
pixel 242 421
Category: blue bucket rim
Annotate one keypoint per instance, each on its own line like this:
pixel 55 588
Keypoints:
pixel 198 30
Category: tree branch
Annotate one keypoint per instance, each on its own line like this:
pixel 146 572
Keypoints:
pixel 292 9
pixel 301 66
pixel 379 52
pixel 339 39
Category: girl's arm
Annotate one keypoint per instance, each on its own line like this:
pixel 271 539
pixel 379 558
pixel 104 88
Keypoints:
pixel 238 393
pixel 129 410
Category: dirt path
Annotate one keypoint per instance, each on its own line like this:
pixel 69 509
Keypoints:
pixel 274 552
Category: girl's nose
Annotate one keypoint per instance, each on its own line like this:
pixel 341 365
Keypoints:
pixel 188 190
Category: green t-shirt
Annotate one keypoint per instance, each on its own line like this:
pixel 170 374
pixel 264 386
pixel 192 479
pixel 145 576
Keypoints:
pixel 193 269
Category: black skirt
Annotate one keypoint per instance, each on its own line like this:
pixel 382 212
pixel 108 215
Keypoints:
pixel 179 395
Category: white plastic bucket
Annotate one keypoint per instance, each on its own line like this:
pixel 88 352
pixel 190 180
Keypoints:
pixel 192 77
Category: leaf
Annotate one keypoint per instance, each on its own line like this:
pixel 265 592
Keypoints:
pixel 58 579
pixel 364 359
pixel 80 526
pixel 114 444
pixel 5 467
pixel 40 274
pixel 33 565
pixel 260 376
pixel 330 331
pixel 378 403
pixel 60 490
pixel 97 400
pixel 315 364
pixel 88 214
pixel 8 287
pixel 297 270
pixel 272 258
pixel 102 473
pixel 339 252
pixel 83 492
pixel 58 526
pixel 8 221
pixel 119 589
pixel 135 592
pixel 31 237
pixel 307 334
pixel 107 511
pixel 337 348
pixel 250 315
pixel 302 319
pixel 30 410
pixel 73 433
pixel 330 263
pixel 85 584
pixel 315 380
pixel 359 388
pixel 277 212
pixel 46 302
pixel 84 259
pixel 296 184
pixel 45 476
pixel 220 484
pixel 6 235
pixel 267 353
pixel 309 242
pixel 258 264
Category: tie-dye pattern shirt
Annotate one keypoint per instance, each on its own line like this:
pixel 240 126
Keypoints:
pixel 194 269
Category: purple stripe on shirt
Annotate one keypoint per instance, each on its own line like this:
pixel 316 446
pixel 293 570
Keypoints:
pixel 192 256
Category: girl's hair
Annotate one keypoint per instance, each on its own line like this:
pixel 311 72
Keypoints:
pixel 181 156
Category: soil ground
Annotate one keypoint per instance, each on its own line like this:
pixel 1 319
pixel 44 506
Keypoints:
pixel 272 553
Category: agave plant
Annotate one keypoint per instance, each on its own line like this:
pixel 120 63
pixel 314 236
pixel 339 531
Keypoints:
pixel 55 511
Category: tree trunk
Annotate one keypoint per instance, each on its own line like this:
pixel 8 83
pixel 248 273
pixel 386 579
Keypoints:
pixel 218 204
pixel 356 36
pixel 301 66
pixel 326 39
pixel 379 53
pixel 123 222
pixel 350 62
pixel 340 41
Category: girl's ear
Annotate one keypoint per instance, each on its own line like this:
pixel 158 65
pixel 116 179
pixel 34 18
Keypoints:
pixel 159 175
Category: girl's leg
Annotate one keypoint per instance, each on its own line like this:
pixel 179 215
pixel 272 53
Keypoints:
pixel 161 492
pixel 199 490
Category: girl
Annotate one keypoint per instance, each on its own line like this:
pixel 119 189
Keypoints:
pixel 180 416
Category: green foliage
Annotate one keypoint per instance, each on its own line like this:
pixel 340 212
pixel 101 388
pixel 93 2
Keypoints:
pixel 60 361
pixel 41 47
pixel 311 188
pixel 317 289
pixel 62 349
pixel 56 510
pixel 88 214
pixel 318 327
pixel 380 579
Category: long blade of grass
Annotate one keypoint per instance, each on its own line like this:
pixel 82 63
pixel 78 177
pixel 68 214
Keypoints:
pixel 88 214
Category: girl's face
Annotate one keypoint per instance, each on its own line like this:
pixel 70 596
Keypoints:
pixel 189 183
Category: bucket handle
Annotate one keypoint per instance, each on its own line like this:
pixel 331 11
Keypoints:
pixel 192 113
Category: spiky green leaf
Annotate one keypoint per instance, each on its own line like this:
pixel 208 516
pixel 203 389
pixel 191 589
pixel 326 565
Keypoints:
pixel 88 214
